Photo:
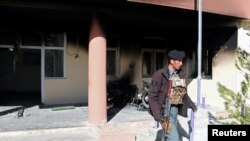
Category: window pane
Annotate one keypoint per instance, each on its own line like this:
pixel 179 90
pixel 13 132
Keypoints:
pixel 31 39
pixel 147 63
pixel 7 38
pixel 54 39
pixel 111 62
pixel 53 63
pixel 159 60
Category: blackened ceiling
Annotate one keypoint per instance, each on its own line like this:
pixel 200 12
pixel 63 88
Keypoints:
pixel 115 14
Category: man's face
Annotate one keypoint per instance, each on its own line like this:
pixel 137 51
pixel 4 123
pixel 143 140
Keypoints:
pixel 176 64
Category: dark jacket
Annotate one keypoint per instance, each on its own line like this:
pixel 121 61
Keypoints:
pixel 157 95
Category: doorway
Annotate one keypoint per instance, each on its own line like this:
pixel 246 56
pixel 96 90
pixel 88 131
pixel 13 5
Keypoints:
pixel 20 77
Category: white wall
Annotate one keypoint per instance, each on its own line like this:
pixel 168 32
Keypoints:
pixel 244 39
pixel 223 71
pixel 72 89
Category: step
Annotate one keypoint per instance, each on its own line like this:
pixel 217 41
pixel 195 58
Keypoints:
pixel 60 134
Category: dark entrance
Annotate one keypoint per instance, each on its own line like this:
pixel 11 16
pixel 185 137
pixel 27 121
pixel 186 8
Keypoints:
pixel 20 77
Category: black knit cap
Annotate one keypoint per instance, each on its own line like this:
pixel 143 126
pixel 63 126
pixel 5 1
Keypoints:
pixel 176 54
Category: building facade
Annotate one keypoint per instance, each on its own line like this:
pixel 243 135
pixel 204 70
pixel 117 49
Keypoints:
pixel 66 52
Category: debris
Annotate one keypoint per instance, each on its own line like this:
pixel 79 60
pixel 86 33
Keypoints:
pixel 20 112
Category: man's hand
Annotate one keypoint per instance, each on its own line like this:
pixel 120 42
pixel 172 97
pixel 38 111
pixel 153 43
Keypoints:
pixel 166 125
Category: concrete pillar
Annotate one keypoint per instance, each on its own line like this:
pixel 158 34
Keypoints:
pixel 97 106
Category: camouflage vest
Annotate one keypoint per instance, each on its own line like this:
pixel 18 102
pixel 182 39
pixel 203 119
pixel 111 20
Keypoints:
pixel 177 90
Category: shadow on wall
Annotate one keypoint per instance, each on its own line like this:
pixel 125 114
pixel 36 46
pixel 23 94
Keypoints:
pixel 120 91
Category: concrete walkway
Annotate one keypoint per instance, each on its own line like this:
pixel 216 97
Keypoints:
pixel 128 124
pixel 36 118
pixel 59 134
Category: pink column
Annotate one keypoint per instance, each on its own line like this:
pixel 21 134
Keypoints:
pixel 97 106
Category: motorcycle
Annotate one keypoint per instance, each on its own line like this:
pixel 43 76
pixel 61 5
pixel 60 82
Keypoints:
pixel 141 98
pixel 114 94
pixel 119 94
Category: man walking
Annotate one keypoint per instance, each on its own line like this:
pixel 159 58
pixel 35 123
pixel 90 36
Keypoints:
pixel 168 96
